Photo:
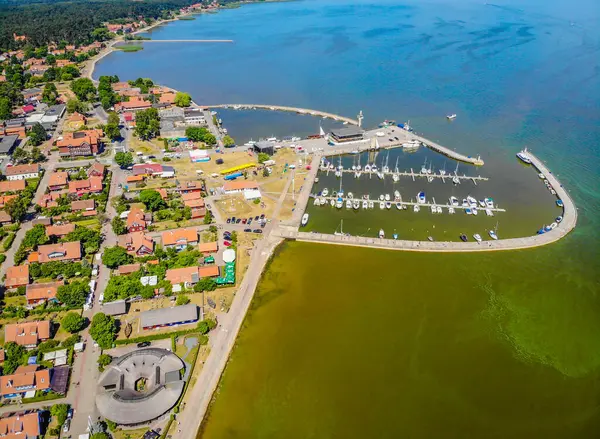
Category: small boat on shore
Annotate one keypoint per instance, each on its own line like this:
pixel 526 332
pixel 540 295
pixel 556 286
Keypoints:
pixel 304 219
pixel 463 237
pixel 477 237
pixel 381 233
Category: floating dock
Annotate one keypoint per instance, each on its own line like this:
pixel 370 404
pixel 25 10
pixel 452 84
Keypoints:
pixel 404 203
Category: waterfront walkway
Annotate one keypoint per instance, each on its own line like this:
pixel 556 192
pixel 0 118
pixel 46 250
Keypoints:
pixel 180 41
pixel 564 227
pixel 298 110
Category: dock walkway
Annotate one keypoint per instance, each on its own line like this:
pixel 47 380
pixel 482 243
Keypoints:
pixel 410 203
pixel 299 110
pixel 411 174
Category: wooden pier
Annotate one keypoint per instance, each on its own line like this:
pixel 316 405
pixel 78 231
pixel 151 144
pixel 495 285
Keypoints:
pixel 303 111
pixel 412 174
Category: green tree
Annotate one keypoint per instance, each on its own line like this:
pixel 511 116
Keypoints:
pixel 208 217
pixel 13 357
pixel 147 124
pixel 15 208
pixel 113 118
pixel 182 299
pixel 118 226
pixel 205 284
pixel 103 361
pixel 103 330
pixel 182 99
pixel 37 135
pixel 73 294
pixel 84 89
pixel 73 322
pixel 228 142
pixel 75 105
pixel 50 94
pixel 60 412
pixel 116 256
pixel 200 134
pixel 36 155
pixel 5 108
pixel 113 132
pixel 124 159
pixel 263 157
pixel 152 200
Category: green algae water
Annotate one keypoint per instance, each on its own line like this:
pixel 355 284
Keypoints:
pixel 354 343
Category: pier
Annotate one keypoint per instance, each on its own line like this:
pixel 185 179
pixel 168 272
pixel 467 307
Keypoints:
pixel 304 111
pixel 181 41
pixel 411 174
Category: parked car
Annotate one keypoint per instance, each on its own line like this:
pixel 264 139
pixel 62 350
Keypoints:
pixel 143 344
pixel 256 218
pixel 262 215
pixel 247 230
pixel 67 426
pixel 238 220
pixel 227 244
pixel 249 221
pixel 263 225
pixel 228 220
pixel 257 231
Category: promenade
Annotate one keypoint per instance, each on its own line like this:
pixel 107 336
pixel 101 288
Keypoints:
pixel 299 110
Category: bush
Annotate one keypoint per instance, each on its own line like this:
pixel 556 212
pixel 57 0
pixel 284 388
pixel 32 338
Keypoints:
pixel 71 341
pixel 182 299
pixel 8 241
pixel 73 322
pixel 112 426
pixel 60 411
pixel 103 361
pixel 2 258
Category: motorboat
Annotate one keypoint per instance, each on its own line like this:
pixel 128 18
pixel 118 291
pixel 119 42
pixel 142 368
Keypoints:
pixel 481 203
pixel 416 208
pixel 316 202
pixel 465 203
pixel 382 197
pixel 429 179
pixel 439 209
pixel 430 238
pixel 323 201
pixel 356 204
pixel 332 203
pixel 468 211
pixel 463 237
pixel 547 228
pixel 559 219
pixel 395 236
pixel 421 198
pixel 472 201
pixel 451 116
pixel 493 235
pixel 477 237
pixel 382 205
pixel 524 157
pixel 371 204
pixel 367 168
pixel 388 204
pixel 304 219
pixel 365 204
pixel 395 177
pixel 554 225
pixel 489 203
pixel 453 201
pixel 387 197
pixel 325 192
pixel 348 204
pixel 474 211
pixel 381 233
pixel 350 195
pixel 542 176
pixel 398 205
pixel 488 212
pixel 396 195
pixel 339 203
pixel 559 203
pixel 455 180
pixel 451 210
pixel 433 209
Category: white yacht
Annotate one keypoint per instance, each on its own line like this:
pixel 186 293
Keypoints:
pixel 455 180
pixel 348 204
pixel 304 219
pixel 356 204
pixel 272 139
pixel 474 211
pixel 396 195
pixel 489 203
pixel 472 201
pixel 339 203
pixel 453 201
pixel 316 202
pixel 381 233
pixel 382 205
pixel 481 203
pixel 382 197
pixel 451 116
pixel 398 206
pixel 477 237
pixel 388 204
pixel 493 235
pixel 371 204
pixel 524 157
pixel 451 210
pixel 325 192
pixel 439 209
pixel 433 209
pixel 332 202
pixel 488 212
pixel 421 198
pixel 350 195
pixel 367 168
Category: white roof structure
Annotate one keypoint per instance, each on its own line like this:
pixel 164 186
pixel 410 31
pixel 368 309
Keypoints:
pixel 140 386
pixel 54 355
pixel 229 255
pixel 251 194
pixel 149 280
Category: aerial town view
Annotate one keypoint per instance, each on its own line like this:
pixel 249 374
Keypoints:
pixel 311 218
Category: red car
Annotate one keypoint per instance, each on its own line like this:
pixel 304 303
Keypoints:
pixel 226 243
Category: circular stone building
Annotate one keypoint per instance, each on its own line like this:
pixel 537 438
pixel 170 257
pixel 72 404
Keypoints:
pixel 140 386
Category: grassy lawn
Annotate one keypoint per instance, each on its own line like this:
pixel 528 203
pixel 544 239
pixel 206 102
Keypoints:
pixel 146 147
pixel 131 434
pixel 90 222
pixel 15 301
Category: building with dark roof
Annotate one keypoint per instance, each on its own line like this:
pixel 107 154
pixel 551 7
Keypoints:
pixel 346 134
pixel 265 146
pixel 176 315
pixel 140 386
pixel 7 144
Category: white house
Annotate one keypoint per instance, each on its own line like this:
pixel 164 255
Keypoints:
pixel 22 172
pixel 194 116
pixel 242 186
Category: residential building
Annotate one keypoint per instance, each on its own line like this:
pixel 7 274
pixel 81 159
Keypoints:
pixel 136 243
pixel 27 426
pixel 193 116
pixel 80 143
pixel 50 200
pixel 148 169
pixel 209 271
pixel 5 199
pixel 136 220
pixel 17 276
pixel 90 185
pixel 60 230
pixel 133 104
pixel 187 276
pixel 177 315
pixel 179 238
pixel 198 212
pixel 186 187
pixel 27 334
pixel 206 248
pixel 64 251
pixel 32 94
pixel 167 98
pixel 58 181
pixel 124 270
pixel 36 294
pixel 96 170
pixel 12 186
pixel 167 171
pixel 25 379
pixel 22 172
pixel 7 143
pixel 83 205
pixel 239 186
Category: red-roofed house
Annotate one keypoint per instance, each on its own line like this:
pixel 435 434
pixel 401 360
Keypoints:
pixel 133 104
pixel 136 243
pixel 91 185
pixel 36 294
pixel 58 181
pixel 17 276
pixel 136 220
pixel 80 143
pixel 96 170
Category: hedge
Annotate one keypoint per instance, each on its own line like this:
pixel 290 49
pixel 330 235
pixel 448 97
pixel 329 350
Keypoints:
pixel 9 240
